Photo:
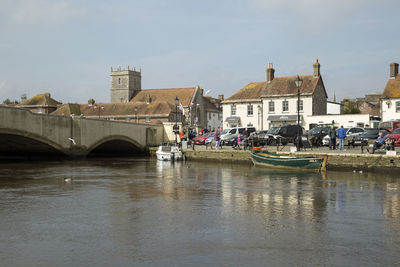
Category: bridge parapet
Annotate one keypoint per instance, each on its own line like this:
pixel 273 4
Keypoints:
pixel 76 136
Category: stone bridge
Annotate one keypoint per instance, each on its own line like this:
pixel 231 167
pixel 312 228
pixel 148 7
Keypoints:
pixel 23 133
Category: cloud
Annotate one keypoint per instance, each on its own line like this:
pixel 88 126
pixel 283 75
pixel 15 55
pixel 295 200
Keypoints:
pixel 43 11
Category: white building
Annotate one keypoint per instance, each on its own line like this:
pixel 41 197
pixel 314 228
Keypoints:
pixel 274 102
pixel 390 101
pixel 332 107
pixel 347 120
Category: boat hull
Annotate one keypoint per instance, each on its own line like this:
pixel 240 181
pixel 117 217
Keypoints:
pixel 275 161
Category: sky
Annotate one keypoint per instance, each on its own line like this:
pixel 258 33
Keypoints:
pixel 67 47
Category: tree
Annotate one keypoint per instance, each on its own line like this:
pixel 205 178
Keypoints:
pixel 8 101
pixel 350 107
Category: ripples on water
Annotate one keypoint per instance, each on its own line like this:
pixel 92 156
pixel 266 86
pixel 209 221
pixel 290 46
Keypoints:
pixel 129 212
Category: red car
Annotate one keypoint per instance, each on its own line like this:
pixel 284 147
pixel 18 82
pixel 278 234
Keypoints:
pixel 395 135
pixel 199 140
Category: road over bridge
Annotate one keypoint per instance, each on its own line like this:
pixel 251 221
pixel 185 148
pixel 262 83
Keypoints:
pixel 23 133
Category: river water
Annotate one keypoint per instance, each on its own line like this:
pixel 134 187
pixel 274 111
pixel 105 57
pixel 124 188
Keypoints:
pixel 129 212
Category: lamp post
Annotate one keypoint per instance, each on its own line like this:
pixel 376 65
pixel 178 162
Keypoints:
pixel 260 117
pixel 136 118
pixel 176 119
pixel 298 83
pixel 100 108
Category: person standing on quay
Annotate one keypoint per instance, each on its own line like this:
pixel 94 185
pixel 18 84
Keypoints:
pixel 216 139
pixel 342 136
pixel 332 136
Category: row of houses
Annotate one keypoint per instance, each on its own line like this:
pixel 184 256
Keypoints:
pixel 260 104
pixel 274 102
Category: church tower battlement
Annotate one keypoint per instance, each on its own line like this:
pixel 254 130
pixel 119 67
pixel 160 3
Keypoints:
pixel 124 84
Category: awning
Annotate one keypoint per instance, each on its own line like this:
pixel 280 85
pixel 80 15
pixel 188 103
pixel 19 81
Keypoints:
pixel 232 119
pixel 284 117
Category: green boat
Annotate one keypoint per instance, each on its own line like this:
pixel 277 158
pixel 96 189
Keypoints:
pixel 276 161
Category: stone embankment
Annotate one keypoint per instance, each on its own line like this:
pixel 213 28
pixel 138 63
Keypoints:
pixel 337 160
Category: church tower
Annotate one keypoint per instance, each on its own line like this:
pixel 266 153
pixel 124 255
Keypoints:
pixel 124 84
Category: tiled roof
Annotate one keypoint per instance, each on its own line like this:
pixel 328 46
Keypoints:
pixel 68 109
pixel 286 85
pixel 184 95
pixel 392 88
pixel 208 105
pixel 278 86
pixel 123 109
pixel 251 91
pixel 41 100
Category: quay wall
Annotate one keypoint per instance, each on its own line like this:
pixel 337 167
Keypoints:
pixel 337 162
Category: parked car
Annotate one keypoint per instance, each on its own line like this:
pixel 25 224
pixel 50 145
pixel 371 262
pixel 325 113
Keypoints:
pixel 200 140
pixel 368 136
pixel 260 137
pixel 225 132
pixel 317 135
pixel 395 135
pixel 229 137
pixel 389 125
pixel 351 134
pixel 284 134
pixel 327 139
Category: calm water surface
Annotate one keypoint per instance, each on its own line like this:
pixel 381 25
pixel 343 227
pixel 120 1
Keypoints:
pixel 121 212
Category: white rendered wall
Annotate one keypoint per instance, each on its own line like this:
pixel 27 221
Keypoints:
pixel 347 120
pixel 332 108
pixel 389 112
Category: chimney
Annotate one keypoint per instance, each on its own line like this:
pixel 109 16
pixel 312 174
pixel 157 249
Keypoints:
pixel 270 73
pixel 221 97
pixel 394 70
pixel 316 67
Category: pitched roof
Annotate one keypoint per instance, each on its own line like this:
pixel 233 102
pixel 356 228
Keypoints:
pixel 392 88
pixel 286 85
pixel 208 105
pixel 251 91
pixel 184 95
pixel 278 86
pixel 68 109
pixel 124 109
pixel 41 100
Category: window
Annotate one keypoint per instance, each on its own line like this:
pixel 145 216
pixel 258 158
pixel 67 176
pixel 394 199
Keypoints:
pixel 397 106
pixel 233 110
pixel 209 116
pixel 249 110
pixel 285 106
pixel 119 80
pixel 147 119
pixel 301 105
pixel 271 107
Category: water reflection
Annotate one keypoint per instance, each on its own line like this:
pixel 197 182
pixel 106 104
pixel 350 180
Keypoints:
pixel 163 213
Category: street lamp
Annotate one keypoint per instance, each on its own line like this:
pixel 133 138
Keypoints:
pixel 298 83
pixel 100 108
pixel 136 118
pixel 176 119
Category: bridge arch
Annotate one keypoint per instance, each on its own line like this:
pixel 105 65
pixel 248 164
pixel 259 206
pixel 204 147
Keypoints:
pixel 115 144
pixel 22 143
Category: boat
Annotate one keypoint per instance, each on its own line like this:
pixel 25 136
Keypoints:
pixel 169 153
pixel 289 162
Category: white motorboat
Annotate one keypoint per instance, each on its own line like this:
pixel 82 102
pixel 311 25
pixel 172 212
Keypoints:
pixel 169 153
